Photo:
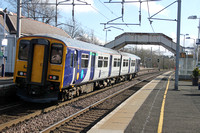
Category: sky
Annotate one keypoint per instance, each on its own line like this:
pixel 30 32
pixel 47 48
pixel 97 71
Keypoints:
pixel 91 16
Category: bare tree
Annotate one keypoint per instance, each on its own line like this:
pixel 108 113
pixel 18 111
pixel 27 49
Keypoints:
pixel 73 28
pixel 164 61
pixel 93 39
pixel 35 10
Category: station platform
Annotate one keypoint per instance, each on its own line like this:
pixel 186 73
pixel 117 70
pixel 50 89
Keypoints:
pixel 157 107
pixel 6 78
pixel 7 88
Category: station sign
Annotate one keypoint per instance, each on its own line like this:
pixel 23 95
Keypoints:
pixel 198 42
pixel 4 42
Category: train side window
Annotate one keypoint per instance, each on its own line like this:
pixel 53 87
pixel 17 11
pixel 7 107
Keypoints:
pixel 71 60
pixel 105 61
pixel 132 63
pixel 115 62
pixel 56 53
pixel 75 59
pixel 100 61
pixel 125 62
pixel 118 63
pixel 23 49
pixel 84 60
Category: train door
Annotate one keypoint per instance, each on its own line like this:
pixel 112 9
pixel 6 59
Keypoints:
pixel 38 61
pixel 70 66
pixel 129 65
pixel 93 58
pixel 75 65
pixel 110 66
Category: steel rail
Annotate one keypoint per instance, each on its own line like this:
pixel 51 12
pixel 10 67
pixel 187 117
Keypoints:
pixel 59 123
pixel 36 113
pixel 10 106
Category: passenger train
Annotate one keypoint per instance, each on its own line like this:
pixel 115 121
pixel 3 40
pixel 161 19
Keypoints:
pixel 52 67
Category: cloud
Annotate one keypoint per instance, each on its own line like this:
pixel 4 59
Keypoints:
pixel 154 7
pixel 77 8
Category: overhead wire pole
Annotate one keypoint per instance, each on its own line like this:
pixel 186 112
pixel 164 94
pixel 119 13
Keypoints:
pixel 178 44
pixel 64 2
pixel 122 12
pixel 18 18
pixel 178 37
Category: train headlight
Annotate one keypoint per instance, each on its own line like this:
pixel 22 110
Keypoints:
pixel 20 73
pixel 53 77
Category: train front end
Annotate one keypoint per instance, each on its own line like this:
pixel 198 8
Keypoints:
pixel 39 66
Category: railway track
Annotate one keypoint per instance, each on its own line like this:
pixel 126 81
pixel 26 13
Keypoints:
pixel 3 108
pixel 68 108
pixel 83 120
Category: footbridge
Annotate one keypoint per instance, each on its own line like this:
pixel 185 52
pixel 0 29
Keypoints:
pixel 143 39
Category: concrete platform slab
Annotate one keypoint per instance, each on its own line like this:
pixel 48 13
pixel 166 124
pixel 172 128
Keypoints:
pixel 118 120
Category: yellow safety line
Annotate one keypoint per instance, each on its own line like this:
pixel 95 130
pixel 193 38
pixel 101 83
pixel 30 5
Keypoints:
pixel 160 125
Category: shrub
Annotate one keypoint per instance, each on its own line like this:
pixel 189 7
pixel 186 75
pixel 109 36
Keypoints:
pixel 195 72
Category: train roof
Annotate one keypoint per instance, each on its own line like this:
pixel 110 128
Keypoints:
pixel 80 44
pixel 130 55
pixel 84 45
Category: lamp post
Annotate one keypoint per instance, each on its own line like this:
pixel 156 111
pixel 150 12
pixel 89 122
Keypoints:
pixel 107 29
pixel 194 51
pixel 195 17
pixel 106 35
pixel 184 40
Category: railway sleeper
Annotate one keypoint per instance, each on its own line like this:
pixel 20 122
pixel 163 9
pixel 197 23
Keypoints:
pixel 67 130
pixel 96 114
pixel 93 116
pixel 80 125
pixel 80 122
pixel 86 120
pixel 76 125
pixel 72 127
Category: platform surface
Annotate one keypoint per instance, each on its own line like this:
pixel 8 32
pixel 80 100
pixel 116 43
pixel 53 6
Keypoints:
pixel 141 113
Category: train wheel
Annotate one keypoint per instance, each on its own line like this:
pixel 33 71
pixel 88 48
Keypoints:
pixel 70 95
pixel 78 91
pixel 62 97
pixel 130 77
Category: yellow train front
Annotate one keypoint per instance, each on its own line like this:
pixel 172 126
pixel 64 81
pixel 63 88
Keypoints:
pixel 39 66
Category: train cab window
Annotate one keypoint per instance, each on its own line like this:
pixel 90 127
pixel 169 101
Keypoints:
pixel 23 49
pixel 84 60
pixel 105 64
pixel 56 53
pixel 100 61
